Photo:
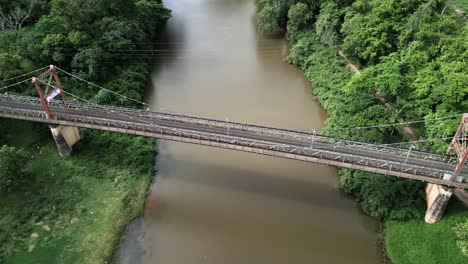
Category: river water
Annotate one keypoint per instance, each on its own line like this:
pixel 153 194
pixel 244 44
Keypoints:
pixel 217 206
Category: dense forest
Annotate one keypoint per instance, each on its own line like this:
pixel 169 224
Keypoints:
pixel 413 56
pixel 97 191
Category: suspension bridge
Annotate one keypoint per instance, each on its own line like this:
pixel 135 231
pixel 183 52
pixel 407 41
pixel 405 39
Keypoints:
pixel 442 169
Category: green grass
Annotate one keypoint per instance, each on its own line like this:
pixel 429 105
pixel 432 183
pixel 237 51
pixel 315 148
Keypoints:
pixel 463 4
pixel 414 241
pixel 85 200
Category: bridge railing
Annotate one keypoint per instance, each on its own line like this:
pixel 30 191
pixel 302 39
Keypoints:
pixel 289 151
pixel 264 130
pixel 305 137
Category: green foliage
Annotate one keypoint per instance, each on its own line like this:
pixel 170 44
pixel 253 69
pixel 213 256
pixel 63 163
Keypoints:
pixel 384 197
pixel 13 65
pixel 461 230
pixel 86 200
pixel 91 38
pixel 12 168
pixel 414 241
pixel 414 54
pixel 371 27
pixel 104 183
pixel 147 9
pixel 329 23
pixel 273 14
pixel 268 19
pixel 299 16
pixel 460 4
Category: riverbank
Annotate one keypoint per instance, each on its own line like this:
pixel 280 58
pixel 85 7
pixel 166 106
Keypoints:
pixel 389 69
pixel 404 241
pixel 75 209
pixel 414 241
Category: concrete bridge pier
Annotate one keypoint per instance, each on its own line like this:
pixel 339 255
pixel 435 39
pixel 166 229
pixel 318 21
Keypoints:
pixel 65 137
pixel 437 197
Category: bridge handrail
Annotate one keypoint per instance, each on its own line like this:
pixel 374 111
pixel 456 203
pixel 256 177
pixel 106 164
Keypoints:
pixel 287 133
pixel 84 121
pixel 220 138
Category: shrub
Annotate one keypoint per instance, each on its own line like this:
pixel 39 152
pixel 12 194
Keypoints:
pixel 12 168
pixel 461 230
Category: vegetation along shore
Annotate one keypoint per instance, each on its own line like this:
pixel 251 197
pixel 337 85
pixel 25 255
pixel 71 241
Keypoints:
pixel 74 210
pixel 413 60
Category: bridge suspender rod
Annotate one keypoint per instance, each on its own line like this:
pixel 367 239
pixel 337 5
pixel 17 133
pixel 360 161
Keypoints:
pixel 53 73
pixel 41 95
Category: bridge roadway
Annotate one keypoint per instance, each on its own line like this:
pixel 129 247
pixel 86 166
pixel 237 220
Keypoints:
pixel 284 143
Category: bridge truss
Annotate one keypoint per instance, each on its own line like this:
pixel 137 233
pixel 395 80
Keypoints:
pixel 284 143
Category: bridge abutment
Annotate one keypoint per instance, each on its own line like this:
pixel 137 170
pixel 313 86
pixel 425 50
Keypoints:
pixel 437 197
pixel 65 137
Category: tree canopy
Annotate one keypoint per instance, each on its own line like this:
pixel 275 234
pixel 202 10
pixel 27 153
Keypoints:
pixel 413 54
pixel 12 168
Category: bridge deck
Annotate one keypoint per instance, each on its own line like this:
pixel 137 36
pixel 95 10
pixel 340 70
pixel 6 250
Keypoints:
pixel 243 137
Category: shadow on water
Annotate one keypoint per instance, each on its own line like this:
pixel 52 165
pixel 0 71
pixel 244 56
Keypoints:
pixel 166 49
pixel 243 179
pixel 133 253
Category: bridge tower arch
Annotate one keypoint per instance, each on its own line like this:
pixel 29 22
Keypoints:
pixel 48 97
pixel 65 136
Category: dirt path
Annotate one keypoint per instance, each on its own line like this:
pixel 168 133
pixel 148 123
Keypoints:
pixel 350 65
pixel 408 132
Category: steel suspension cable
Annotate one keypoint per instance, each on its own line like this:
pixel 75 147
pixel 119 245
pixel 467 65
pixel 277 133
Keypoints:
pixel 15 84
pixel 25 74
pixel 133 118
pixel 108 90
pixel 173 129
pixel 316 130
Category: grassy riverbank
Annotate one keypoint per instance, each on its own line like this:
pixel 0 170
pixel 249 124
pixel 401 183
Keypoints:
pixel 412 55
pixel 72 210
pixel 414 241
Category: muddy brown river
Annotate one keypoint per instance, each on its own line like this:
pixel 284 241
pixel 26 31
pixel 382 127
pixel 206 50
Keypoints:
pixel 215 206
